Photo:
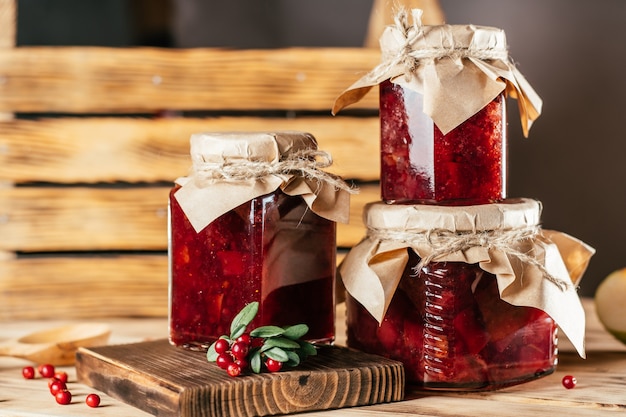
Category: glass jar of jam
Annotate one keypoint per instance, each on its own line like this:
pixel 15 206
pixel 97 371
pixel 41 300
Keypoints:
pixel 425 288
pixel 239 233
pixel 442 94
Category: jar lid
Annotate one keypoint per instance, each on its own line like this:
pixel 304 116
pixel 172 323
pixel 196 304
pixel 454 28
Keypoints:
pixel 458 69
pixel 222 147
pixel 434 42
pixel 420 218
pixel 231 168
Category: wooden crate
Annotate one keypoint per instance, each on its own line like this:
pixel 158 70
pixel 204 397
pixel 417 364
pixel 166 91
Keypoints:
pixel 83 197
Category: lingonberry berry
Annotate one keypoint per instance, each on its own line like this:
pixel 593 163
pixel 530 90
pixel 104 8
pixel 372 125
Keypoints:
pixel 28 372
pixel 57 386
pixel 273 365
pixel 46 370
pixel 239 350
pixel 223 360
pixel 222 346
pixel 243 363
pixel 51 380
pixel 569 381
pixel 257 342
pixel 93 400
pixel 61 376
pixel 233 369
pixel 63 397
pixel 245 339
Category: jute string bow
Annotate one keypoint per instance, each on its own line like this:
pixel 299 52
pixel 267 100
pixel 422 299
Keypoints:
pixel 409 57
pixel 307 163
pixel 444 242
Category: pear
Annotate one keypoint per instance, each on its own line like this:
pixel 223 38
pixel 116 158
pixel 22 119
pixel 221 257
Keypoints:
pixel 610 300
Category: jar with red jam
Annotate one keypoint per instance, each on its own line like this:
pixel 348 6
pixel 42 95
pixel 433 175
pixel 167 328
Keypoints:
pixel 457 295
pixel 442 94
pixel 245 226
pixel 419 163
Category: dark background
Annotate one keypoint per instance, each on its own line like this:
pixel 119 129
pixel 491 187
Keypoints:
pixel 572 52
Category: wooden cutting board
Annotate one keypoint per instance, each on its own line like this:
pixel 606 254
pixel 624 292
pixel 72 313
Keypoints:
pixel 167 381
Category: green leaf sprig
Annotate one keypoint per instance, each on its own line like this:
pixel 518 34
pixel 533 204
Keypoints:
pixel 280 344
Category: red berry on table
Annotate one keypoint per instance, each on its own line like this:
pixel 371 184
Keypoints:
pixel 273 365
pixel 222 346
pixel 239 350
pixel 569 381
pixel 56 386
pixel 61 376
pixel 233 369
pixel 46 370
pixel 63 397
pixel 28 372
pixel 93 400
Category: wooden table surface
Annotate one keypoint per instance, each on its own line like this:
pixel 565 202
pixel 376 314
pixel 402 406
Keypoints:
pixel 601 388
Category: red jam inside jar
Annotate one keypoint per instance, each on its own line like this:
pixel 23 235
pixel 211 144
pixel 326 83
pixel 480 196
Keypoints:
pixel 419 164
pixel 452 336
pixel 272 249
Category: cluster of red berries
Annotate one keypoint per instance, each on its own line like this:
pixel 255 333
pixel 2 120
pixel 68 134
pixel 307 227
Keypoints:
pixel 233 357
pixel 264 348
pixel 57 384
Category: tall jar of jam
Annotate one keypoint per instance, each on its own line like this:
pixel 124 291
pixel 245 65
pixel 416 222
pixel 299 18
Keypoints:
pixel 246 225
pixel 442 93
pixel 458 294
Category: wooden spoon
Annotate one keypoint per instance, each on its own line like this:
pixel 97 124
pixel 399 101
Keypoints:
pixel 56 346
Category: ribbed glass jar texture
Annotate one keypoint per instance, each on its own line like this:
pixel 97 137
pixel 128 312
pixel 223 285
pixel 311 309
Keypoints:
pixel 450 335
pixel 272 249
pixel 419 164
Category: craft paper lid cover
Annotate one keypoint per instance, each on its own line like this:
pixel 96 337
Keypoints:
pixel 419 218
pixel 220 147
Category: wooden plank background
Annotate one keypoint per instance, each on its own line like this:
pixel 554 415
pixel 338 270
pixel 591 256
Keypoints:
pixel 132 80
pixel 91 139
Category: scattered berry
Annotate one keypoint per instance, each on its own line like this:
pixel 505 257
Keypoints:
pixel 63 397
pixel 57 386
pixel 233 369
pixel 28 372
pixel 93 400
pixel 273 365
pixel 46 370
pixel 61 376
pixel 569 381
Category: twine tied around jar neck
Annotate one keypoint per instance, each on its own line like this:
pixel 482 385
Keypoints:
pixel 444 242
pixel 405 53
pixel 307 163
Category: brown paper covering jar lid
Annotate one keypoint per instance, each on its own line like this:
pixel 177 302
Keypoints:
pixel 230 168
pixel 421 218
pixel 221 147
